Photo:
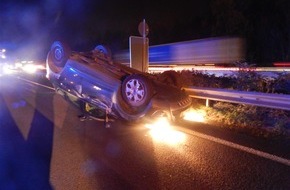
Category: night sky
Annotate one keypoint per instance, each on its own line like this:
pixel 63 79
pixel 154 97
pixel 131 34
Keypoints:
pixel 34 25
pixel 29 27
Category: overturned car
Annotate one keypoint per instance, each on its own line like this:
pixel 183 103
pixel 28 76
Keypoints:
pixel 103 89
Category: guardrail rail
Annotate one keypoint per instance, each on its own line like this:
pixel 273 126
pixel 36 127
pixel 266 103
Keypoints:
pixel 277 101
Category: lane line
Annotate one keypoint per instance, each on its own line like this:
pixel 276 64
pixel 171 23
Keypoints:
pixel 240 147
pixel 36 83
pixel 215 139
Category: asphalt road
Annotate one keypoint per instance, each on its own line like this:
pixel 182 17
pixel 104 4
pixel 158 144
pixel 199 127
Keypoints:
pixel 43 145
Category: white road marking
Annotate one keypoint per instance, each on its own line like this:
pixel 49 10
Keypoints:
pixel 36 83
pixel 217 140
pixel 240 147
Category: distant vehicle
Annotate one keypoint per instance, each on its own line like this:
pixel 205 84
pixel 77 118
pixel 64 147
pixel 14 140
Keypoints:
pixel 103 89
pixel 223 51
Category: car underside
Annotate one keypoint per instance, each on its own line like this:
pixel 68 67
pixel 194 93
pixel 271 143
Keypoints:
pixel 103 89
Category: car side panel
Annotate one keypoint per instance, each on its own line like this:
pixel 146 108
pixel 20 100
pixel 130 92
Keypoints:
pixel 92 86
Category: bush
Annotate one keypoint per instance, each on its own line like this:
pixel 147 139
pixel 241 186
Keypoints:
pixel 259 121
pixel 255 120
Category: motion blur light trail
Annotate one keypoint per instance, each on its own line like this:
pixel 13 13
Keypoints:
pixel 194 115
pixel 7 70
pixel 32 68
pixel 161 131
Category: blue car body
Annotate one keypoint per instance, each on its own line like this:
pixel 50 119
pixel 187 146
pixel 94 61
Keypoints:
pixel 102 88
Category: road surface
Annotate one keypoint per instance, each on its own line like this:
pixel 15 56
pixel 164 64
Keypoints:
pixel 43 145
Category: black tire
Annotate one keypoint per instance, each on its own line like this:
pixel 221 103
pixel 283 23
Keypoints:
pixel 57 56
pixel 134 97
pixel 103 49
pixel 59 53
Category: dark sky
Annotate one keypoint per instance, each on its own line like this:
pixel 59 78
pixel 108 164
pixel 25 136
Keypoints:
pixel 31 26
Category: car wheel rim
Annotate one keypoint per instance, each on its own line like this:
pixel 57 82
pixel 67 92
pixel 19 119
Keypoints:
pixel 135 91
pixel 58 54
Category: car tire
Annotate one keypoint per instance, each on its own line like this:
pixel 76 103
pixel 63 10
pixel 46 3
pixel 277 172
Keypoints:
pixel 103 49
pixel 134 97
pixel 60 53
pixel 136 90
pixel 58 56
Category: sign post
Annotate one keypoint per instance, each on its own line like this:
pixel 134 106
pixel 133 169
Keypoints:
pixel 139 48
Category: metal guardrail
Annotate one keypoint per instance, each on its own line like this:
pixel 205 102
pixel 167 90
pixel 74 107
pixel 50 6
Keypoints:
pixel 277 101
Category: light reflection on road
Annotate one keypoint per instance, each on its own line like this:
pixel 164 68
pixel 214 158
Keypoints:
pixel 161 131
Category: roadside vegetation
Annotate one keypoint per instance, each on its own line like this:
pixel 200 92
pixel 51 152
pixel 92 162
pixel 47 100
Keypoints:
pixel 257 121
pixel 254 120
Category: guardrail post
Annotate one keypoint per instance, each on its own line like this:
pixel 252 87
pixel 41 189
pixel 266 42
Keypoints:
pixel 207 103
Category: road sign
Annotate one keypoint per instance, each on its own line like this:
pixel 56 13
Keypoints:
pixel 139 53
pixel 143 28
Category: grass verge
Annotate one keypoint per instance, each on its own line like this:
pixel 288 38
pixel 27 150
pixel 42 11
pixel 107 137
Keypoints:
pixel 253 120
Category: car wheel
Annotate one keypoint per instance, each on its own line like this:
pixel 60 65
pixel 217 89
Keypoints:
pixel 134 97
pixel 60 53
pixel 103 49
pixel 136 90
pixel 57 56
